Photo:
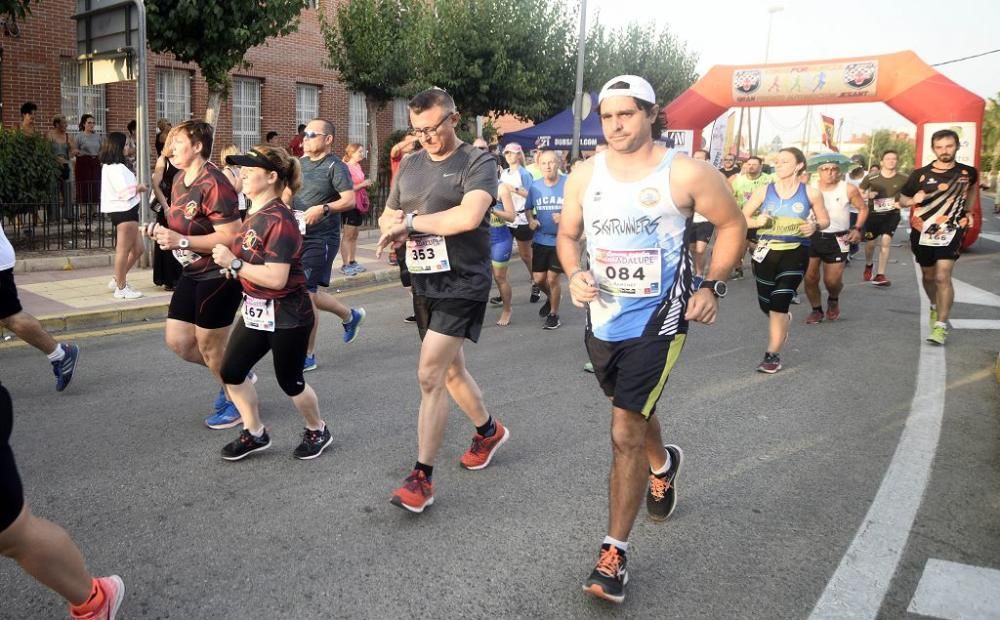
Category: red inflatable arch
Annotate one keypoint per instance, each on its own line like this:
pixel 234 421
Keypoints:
pixel 902 81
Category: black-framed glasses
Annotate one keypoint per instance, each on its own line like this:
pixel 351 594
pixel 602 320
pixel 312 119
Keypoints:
pixel 429 131
pixel 312 134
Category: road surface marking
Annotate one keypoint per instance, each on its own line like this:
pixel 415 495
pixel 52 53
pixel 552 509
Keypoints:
pixel 951 590
pixel 967 294
pixel 974 324
pixel 859 585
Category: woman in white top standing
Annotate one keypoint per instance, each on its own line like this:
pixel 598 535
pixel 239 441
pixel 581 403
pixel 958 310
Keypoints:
pixel 120 199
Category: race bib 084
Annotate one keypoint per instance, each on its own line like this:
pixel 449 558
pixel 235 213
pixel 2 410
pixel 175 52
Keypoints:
pixel 185 257
pixel 628 273
pixel 427 254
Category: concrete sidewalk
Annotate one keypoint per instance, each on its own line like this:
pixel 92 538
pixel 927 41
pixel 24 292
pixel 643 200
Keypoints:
pixel 79 298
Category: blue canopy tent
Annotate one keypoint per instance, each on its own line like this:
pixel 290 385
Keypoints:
pixel 557 132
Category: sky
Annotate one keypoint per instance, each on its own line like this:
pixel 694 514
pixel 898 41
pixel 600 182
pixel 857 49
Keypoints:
pixel 727 32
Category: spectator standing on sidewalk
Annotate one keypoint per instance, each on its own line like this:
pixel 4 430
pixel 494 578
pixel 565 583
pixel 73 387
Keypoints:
pixel 88 166
pixel 120 200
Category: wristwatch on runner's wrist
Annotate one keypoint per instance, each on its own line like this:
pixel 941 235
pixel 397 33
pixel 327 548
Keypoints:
pixel 718 287
pixel 184 243
pixel 409 221
pixel 236 265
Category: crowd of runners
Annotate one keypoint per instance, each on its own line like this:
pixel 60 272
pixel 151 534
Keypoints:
pixel 641 236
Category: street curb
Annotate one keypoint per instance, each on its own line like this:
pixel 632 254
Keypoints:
pixel 93 319
pixel 63 263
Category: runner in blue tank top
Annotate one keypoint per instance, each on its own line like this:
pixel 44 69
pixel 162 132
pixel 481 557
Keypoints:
pixel 790 212
pixel 633 202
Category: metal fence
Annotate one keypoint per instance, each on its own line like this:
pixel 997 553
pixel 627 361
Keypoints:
pixel 62 223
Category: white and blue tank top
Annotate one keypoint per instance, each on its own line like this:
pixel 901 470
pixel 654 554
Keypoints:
pixel 635 243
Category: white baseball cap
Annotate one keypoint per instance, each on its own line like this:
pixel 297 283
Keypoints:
pixel 636 87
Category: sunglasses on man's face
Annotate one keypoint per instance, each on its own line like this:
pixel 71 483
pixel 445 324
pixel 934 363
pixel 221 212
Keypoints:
pixel 312 134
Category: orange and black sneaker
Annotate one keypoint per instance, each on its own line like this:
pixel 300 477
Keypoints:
pixel 609 577
pixel 479 455
pixel 661 497
pixel 416 493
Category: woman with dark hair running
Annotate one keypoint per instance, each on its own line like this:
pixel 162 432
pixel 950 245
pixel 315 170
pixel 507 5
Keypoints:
pixel 120 200
pixel 790 212
pixel 277 314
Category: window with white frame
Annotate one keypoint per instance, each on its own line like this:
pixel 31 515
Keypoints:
pixel 312 4
pixel 79 100
pixel 246 113
pixel 357 130
pixel 173 95
pixel 306 104
pixel 400 114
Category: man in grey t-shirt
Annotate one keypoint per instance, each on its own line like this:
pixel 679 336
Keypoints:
pixel 326 192
pixel 438 206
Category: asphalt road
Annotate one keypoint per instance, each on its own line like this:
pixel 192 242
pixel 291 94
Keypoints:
pixel 779 472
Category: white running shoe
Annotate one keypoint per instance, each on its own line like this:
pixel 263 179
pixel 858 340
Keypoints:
pixel 127 292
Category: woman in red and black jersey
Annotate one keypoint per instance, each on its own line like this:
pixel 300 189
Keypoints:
pixel 277 314
pixel 203 212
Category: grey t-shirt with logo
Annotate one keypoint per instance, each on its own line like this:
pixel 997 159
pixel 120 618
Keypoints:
pixel 426 186
pixel 323 181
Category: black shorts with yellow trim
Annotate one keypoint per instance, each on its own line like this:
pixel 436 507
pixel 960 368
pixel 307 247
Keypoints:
pixel 634 372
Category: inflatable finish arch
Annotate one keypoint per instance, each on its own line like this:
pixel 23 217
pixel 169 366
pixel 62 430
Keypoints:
pixel 902 81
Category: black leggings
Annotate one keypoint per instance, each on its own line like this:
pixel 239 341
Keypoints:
pixel 248 346
pixel 778 277
pixel 11 491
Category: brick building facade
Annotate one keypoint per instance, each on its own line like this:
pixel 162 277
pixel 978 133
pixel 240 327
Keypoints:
pixel 286 83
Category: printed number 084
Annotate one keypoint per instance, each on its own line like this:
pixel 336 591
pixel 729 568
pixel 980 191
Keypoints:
pixel 622 273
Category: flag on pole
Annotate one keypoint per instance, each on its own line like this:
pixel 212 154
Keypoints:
pixel 827 137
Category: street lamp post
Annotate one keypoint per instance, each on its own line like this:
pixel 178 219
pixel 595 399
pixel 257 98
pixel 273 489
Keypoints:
pixel 771 10
pixel 578 98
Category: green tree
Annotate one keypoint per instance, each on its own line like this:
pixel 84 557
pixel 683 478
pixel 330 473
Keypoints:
pixel 502 56
pixel 37 169
pixel 368 45
pixel 887 139
pixel 17 9
pixel 216 35
pixel 637 49
pixel 990 151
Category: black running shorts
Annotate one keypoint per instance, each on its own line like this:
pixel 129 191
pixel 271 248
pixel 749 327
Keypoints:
pixel 879 224
pixel 9 303
pixel 11 491
pixel 352 218
pixel 462 318
pixel 120 217
pixel 544 258
pixel 927 256
pixel 633 372
pixel 699 231
pixel 209 304
pixel 523 232
pixel 825 247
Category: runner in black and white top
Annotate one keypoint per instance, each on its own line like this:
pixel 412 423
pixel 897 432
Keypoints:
pixel 830 247
pixel 439 207
pixel 277 314
pixel 941 195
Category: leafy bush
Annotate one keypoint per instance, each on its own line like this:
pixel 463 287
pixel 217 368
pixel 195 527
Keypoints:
pixel 30 169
